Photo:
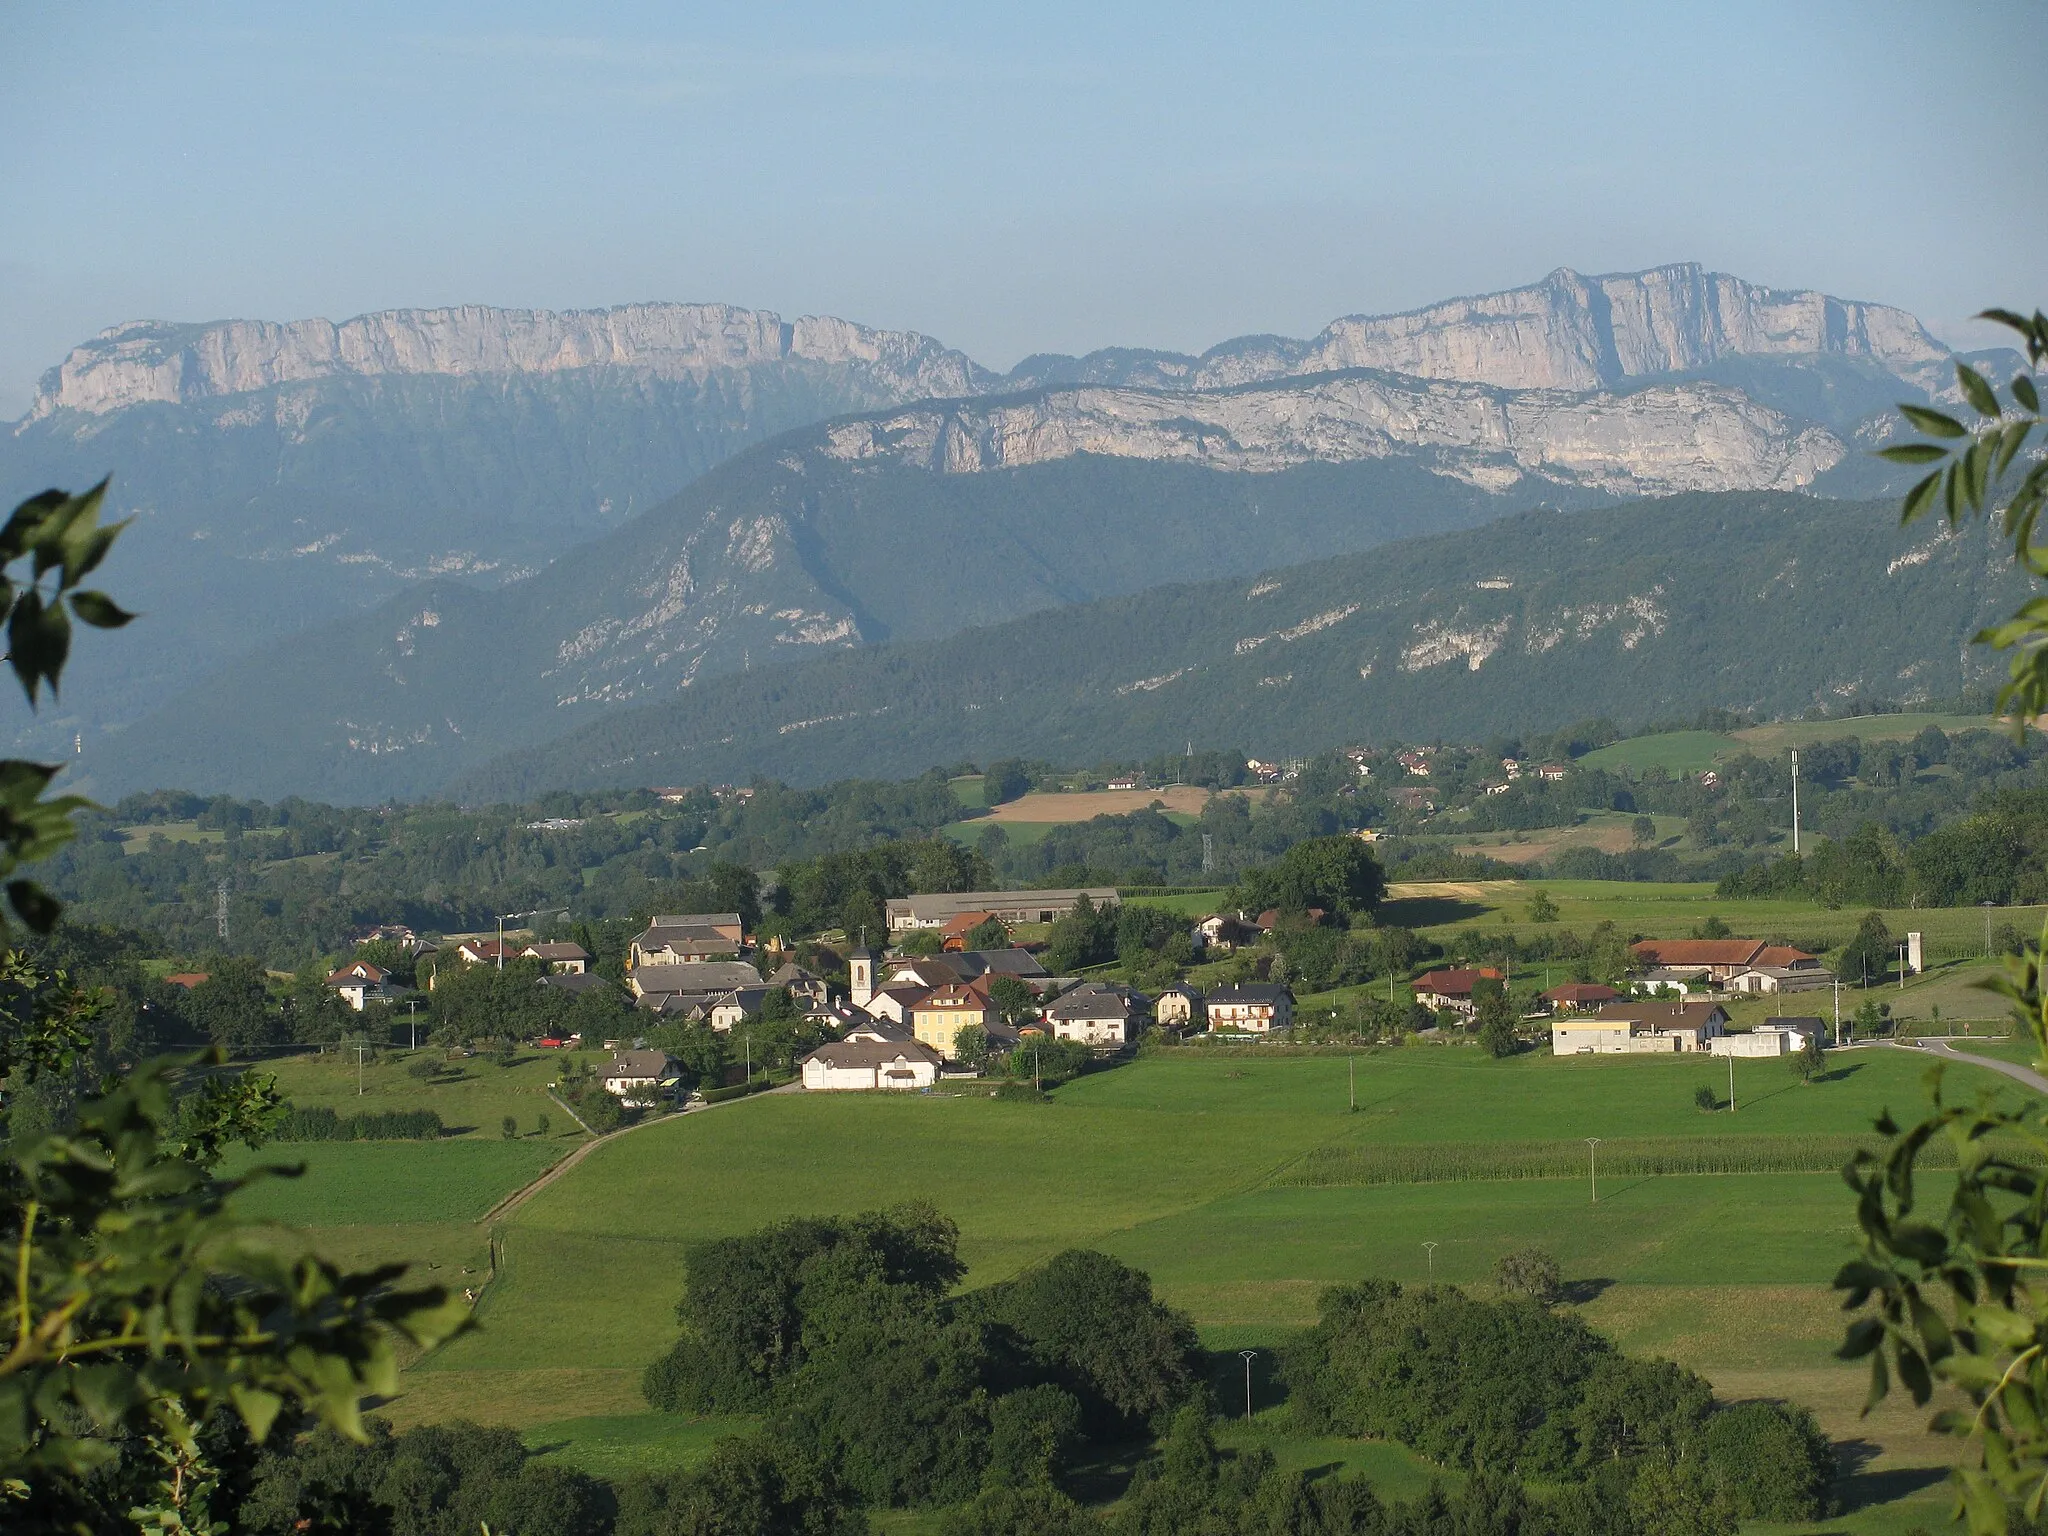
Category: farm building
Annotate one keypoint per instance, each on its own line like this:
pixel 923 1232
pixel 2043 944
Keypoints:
pixel 1778 1037
pixel 682 938
pixel 910 912
pixel 1579 996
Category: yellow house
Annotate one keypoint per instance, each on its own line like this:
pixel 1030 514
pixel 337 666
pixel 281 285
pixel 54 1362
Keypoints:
pixel 937 1018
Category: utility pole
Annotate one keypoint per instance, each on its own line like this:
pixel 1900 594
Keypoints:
pixel 1838 1010
pixel 1352 1061
pixel 1429 1256
pixel 1988 905
pixel 1249 1355
pixel 1731 1082
pixel 412 1019
pixel 360 1048
pixel 1795 799
pixel 1593 1165
pixel 220 911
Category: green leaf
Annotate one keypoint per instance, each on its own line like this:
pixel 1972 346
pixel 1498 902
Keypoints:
pixel 1921 497
pixel 1934 423
pixel 99 610
pixel 2023 391
pixel 1980 394
pixel 35 906
pixel 1913 453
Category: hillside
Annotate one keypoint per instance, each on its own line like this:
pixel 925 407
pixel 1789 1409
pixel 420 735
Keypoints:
pixel 285 475
pixel 770 557
pixel 1764 602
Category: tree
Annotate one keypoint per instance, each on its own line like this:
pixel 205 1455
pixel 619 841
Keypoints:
pixel 1541 908
pixel 1867 956
pixel 970 1045
pixel 1810 1060
pixel 145 1314
pixel 1004 781
pixel 1013 998
pixel 990 933
pixel 1494 1017
pixel 1952 1299
pixel 1529 1272
pixel 1772 1460
pixel 509 1126
pixel 1642 832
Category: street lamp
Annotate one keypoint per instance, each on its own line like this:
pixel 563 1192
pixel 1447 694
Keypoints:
pixel 536 912
pixel 1593 1165
pixel 1429 1256
pixel 1249 1355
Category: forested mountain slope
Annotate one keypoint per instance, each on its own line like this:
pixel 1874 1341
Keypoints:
pixel 1764 602
pixel 774 555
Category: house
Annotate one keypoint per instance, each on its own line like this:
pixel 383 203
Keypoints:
pixel 1579 996
pixel 1224 931
pixel 987 964
pixel 1179 1006
pixel 837 1019
pixel 1552 773
pixel 893 1003
pixel 488 951
pixel 655 981
pixel 802 985
pixel 910 912
pixel 937 1017
pixel 1127 781
pixel 1710 780
pixel 641 1078
pixel 1107 1018
pixel 1511 766
pixel 732 1008
pixel 919 973
pixel 562 959
pixel 876 1032
pixel 954 934
pixel 680 939
pixel 1452 988
pixel 187 979
pixel 1642 1026
pixel 851 1066
pixel 1253 1007
pixel 361 982
pixel 1416 763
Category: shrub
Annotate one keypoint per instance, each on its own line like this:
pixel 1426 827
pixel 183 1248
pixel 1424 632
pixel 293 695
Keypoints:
pixel 1529 1272
pixel 319 1123
pixel 1773 1461
pixel 1703 1097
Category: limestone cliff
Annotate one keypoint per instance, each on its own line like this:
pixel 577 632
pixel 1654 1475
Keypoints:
pixel 1691 437
pixel 153 361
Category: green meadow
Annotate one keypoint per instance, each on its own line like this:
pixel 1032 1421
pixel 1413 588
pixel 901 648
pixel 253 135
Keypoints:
pixel 1188 1166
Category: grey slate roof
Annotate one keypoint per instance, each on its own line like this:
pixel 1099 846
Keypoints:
pixel 697 976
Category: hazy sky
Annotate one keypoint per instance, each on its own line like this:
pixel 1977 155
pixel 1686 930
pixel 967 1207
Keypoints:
pixel 1010 178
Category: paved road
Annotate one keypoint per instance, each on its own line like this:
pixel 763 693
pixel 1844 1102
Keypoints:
pixel 2018 1074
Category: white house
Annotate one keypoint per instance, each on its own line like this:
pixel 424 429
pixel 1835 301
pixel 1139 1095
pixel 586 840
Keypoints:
pixel 641 1077
pixel 361 982
pixel 1096 1016
pixel 855 1065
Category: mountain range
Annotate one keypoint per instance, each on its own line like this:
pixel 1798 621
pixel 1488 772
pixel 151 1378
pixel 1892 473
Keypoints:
pixel 425 537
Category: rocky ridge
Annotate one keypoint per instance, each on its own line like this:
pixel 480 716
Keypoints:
pixel 149 360
pixel 1691 437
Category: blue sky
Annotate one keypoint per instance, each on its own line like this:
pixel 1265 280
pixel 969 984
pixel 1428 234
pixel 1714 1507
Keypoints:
pixel 1010 178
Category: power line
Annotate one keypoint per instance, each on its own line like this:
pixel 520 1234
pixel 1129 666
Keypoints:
pixel 220 910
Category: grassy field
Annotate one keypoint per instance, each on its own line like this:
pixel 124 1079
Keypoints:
pixel 1180 1164
pixel 1673 751
pixel 472 1096
pixel 1697 751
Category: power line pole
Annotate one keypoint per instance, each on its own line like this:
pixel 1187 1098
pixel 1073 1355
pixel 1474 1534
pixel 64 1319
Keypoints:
pixel 220 910
pixel 1593 1165
pixel 1795 799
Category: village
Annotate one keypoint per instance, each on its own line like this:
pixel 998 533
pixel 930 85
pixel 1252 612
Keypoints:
pixel 947 994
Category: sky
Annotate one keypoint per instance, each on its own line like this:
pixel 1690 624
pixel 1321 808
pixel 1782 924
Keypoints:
pixel 1011 179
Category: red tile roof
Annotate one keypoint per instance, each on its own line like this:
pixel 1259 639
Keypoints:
pixel 1697 951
